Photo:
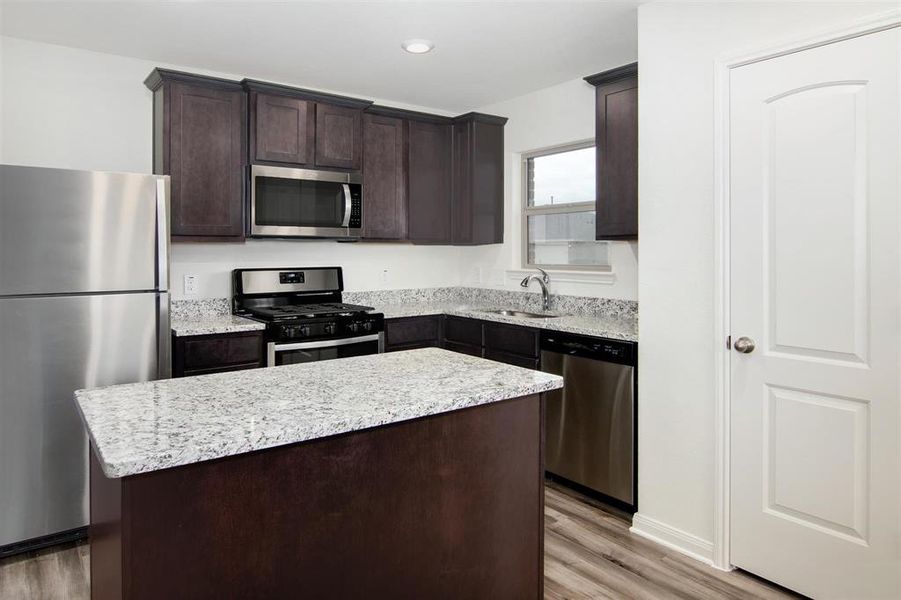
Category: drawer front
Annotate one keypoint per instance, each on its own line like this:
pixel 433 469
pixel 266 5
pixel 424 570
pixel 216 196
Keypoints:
pixel 205 352
pixel 513 359
pixel 412 332
pixel 463 348
pixel 463 331
pixel 511 339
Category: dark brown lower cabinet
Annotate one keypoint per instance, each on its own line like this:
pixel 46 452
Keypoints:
pixel 462 330
pixel 511 344
pixel 511 339
pixel 470 349
pixel 442 507
pixel 408 333
pixel 513 359
pixel 218 353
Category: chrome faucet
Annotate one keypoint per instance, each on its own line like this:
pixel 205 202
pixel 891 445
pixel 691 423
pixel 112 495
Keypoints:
pixel 543 281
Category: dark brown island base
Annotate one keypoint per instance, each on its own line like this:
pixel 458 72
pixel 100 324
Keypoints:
pixel 448 505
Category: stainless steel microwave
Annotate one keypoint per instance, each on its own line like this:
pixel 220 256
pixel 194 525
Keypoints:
pixel 287 202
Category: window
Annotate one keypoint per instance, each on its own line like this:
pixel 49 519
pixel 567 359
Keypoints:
pixel 558 209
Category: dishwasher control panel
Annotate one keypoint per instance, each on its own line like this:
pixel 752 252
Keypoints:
pixel 615 351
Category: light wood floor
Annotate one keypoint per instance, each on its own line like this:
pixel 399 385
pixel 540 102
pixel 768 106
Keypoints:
pixel 589 553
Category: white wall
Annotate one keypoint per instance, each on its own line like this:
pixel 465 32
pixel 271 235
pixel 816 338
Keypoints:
pixel 553 116
pixel 70 108
pixel 678 43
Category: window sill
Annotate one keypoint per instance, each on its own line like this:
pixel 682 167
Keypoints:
pixel 603 276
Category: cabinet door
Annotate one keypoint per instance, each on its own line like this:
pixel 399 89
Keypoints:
pixel 516 360
pixel 283 129
pixel 339 137
pixel 217 353
pixel 463 348
pixel 462 330
pixel 511 339
pixel 462 213
pixel 478 205
pixel 617 160
pixel 206 150
pixel 412 332
pixel 429 188
pixel 384 179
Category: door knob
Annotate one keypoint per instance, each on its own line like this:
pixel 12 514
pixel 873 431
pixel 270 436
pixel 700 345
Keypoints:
pixel 745 345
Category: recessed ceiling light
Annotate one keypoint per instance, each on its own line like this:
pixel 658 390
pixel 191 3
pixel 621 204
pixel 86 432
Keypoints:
pixel 417 46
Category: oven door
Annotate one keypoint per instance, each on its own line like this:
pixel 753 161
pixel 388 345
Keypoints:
pixel 303 352
pixel 304 203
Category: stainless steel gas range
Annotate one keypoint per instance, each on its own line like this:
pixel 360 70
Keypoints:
pixel 306 320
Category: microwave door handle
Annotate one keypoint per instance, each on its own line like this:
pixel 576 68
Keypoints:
pixel 347 205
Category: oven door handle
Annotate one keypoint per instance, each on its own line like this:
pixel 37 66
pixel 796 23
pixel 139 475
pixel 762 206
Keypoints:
pixel 325 343
pixel 348 204
pixel 272 347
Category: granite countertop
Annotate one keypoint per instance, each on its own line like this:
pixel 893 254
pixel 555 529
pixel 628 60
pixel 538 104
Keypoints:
pixel 599 326
pixel 143 427
pixel 213 324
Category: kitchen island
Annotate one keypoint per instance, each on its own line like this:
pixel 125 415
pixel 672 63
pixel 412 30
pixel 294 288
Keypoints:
pixel 414 474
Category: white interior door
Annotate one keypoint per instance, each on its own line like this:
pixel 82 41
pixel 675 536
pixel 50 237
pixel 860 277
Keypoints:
pixel 814 195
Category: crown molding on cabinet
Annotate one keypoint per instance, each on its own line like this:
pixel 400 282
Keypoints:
pixel 413 115
pixel 304 94
pixel 481 118
pixel 623 72
pixel 158 76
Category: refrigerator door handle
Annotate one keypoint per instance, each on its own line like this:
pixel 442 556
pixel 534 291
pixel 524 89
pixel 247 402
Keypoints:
pixel 163 337
pixel 162 234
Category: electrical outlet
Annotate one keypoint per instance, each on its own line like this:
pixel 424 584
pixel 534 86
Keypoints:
pixel 383 276
pixel 190 288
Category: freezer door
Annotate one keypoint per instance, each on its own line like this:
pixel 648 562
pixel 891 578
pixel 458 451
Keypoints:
pixel 49 347
pixel 65 231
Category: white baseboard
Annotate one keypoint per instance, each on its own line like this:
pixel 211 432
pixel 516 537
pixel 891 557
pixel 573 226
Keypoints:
pixel 675 539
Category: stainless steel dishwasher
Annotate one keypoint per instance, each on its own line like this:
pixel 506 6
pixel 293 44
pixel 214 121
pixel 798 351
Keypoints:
pixel 590 423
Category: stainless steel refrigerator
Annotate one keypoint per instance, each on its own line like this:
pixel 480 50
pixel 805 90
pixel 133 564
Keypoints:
pixel 83 303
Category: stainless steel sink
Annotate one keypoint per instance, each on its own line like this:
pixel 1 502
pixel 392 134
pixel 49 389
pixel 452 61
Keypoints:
pixel 507 312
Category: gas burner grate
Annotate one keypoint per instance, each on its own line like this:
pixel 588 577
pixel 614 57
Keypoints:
pixel 309 310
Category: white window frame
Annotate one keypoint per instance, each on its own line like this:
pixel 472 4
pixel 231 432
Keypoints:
pixel 531 211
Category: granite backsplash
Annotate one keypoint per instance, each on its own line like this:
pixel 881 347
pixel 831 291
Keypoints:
pixel 575 305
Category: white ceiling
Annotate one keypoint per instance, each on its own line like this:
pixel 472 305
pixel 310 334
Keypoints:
pixel 484 51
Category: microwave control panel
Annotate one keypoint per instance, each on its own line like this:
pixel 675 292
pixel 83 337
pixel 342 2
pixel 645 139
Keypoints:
pixel 356 206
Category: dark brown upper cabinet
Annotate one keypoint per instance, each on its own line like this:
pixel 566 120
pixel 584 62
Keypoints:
pixel 384 178
pixel 617 152
pixel 282 129
pixel 478 171
pixel 339 137
pixel 430 155
pixel 303 128
pixel 199 140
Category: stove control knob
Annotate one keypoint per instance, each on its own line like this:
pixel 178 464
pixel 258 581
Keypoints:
pixel 353 327
pixel 329 328
pixel 367 326
pixel 302 331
